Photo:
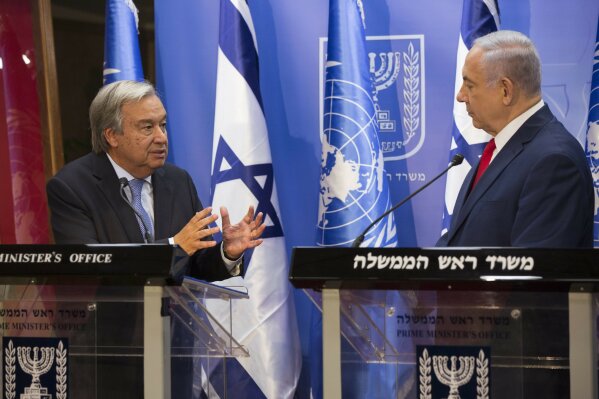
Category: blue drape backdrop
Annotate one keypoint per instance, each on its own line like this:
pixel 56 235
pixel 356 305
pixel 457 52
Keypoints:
pixel 291 41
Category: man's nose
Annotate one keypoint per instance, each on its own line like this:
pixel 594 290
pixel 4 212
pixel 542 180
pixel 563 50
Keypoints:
pixel 160 134
pixel 461 97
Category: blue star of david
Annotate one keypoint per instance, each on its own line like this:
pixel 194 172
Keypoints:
pixel 247 174
pixel 471 152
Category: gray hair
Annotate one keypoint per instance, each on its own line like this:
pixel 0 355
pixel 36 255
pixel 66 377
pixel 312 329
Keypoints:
pixel 513 55
pixel 105 109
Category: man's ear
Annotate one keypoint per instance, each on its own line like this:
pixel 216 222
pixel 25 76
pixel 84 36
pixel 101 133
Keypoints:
pixel 109 135
pixel 507 90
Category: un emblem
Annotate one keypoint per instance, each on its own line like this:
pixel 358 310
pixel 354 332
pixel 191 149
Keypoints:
pixel 35 368
pixel 592 144
pixel 397 68
pixel 593 158
pixel 353 189
pixel 453 372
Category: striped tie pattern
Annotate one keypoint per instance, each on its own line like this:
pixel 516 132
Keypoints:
pixel 145 221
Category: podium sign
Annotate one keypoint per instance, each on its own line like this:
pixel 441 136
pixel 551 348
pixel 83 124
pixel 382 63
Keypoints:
pixel 72 318
pixel 95 321
pixel 490 321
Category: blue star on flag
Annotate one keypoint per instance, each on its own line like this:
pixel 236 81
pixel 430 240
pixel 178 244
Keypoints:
pixel 248 174
pixel 470 151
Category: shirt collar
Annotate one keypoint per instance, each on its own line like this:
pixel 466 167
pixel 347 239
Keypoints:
pixel 120 172
pixel 511 128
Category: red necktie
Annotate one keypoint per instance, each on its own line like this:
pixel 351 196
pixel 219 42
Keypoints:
pixel 485 160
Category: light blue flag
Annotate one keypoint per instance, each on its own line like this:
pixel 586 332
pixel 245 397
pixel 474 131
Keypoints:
pixel 122 60
pixel 242 175
pixel 479 17
pixel 354 189
pixel 592 144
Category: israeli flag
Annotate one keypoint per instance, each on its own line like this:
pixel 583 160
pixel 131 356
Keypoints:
pixel 242 175
pixel 479 17
pixel 592 144
pixel 354 189
pixel 122 60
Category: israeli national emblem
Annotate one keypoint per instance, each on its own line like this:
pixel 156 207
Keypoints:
pixel 453 372
pixel 35 368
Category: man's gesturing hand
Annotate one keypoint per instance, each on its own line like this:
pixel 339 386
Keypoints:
pixel 243 235
pixel 190 237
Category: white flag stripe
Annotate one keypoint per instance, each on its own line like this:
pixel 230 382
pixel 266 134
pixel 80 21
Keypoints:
pixel 235 116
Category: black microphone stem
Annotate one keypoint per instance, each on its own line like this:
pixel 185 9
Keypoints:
pixel 456 160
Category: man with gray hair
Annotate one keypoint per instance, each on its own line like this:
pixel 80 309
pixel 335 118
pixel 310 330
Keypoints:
pixel 125 192
pixel 532 186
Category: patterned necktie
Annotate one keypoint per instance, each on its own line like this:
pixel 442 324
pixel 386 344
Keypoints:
pixel 485 160
pixel 136 186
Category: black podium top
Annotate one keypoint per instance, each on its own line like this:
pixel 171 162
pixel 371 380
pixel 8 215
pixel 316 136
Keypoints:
pixel 116 264
pixel 446 268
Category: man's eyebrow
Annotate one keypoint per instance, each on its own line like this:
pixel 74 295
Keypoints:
pixel 143 121
pixel 149 120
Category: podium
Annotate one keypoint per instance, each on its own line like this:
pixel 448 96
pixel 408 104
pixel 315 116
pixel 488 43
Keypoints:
pixel 495 322
pixel 106 321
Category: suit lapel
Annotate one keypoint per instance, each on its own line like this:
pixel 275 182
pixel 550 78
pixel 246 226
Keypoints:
pixel 109 186
pixel 513 147
pixel 163 202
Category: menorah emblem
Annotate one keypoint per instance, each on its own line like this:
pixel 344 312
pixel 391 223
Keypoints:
pixel 384 77
pixel 452 376
pixel 35 367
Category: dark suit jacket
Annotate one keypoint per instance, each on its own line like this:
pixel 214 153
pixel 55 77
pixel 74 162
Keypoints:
pixel 86 207
pixel 537 192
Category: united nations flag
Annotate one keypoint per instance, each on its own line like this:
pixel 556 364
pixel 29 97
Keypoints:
pixel 592 146
pixel 122 59
pixel 353 185
pixel 354 188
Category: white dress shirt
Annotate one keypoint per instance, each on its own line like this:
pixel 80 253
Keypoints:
pixel 511 128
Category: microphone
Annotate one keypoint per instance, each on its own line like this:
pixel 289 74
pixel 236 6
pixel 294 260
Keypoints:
pixel 124 183
pixel 456 160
